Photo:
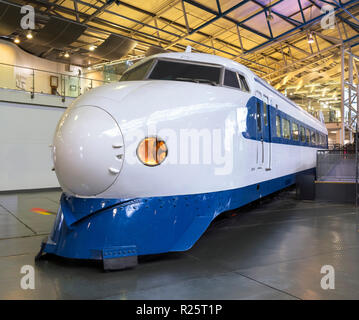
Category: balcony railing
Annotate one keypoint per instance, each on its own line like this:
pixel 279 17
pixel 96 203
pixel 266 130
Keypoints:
pixel 48 82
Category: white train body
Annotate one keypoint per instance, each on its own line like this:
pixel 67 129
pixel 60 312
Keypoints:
pixel 221 141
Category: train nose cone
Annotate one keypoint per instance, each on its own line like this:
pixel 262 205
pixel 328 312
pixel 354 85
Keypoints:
pixel 88 151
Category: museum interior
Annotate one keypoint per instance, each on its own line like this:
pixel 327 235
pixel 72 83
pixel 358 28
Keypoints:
pixel 100 198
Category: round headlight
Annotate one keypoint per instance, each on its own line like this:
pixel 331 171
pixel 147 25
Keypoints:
pixel 152 151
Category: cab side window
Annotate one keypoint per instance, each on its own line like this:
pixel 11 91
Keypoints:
pixel 243 82
pixel 235 80
pixel 231 80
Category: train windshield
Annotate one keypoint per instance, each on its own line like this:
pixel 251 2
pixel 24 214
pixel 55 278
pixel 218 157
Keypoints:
pixel 137 73
pixel 175 70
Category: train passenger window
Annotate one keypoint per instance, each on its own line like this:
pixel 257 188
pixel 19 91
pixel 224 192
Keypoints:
pixel 243 82
pixel 302 134
pixel 313 137
pixel 286 129
pixel 295 131
pixel 307 136
pixel 258 116
pixel 231 79
pixel 316 138
pixel 277 124
pixel 265 113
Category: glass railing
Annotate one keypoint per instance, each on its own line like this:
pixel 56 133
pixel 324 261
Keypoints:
pixel 41 81
pixel 336 165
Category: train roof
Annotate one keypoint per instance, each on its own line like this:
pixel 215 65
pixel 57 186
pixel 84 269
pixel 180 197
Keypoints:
pixel 230 64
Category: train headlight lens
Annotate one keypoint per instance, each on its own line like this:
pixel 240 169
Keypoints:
pixel 152 151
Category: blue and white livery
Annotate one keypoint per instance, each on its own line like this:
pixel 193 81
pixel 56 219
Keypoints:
pixel 147 163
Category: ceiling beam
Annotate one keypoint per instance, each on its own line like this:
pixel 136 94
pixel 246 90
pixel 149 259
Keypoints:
pixel 283 17
pixel 303 59
pixel 352 25
pixel 331 40
pixel 97 12
pixel 224 16
pixel 77 10
pixel 303 25
pixel 296 48
pixel 153 27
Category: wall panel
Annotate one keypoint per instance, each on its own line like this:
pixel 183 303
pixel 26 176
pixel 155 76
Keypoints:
pixel 26 131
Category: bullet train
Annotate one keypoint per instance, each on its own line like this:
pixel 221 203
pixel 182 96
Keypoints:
pixel 148 162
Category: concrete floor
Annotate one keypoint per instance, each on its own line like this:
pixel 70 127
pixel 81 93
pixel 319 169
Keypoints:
pixel 268 250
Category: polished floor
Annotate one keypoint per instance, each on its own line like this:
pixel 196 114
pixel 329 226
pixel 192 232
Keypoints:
pixel 273 249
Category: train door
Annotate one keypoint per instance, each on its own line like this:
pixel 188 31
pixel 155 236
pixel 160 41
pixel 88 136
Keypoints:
pixel 259 131
pixel 267 132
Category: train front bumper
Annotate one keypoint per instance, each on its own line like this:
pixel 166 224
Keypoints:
pixel 116 228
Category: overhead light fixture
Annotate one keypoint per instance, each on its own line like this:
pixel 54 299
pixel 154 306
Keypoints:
pixel 29 35
pixel 17 40
pixel 310 38
pixel 92 48
pixel 66 55
pixel 269 16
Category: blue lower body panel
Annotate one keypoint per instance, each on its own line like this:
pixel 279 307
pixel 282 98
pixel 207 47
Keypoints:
pixel 114 228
